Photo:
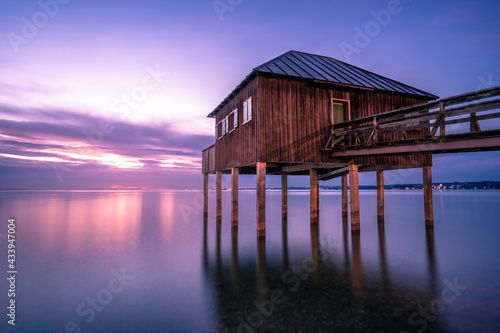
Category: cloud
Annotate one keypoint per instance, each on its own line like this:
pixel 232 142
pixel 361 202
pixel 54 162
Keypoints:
pixel 39 140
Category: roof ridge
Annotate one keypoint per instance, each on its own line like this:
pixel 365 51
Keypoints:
pixel 270 61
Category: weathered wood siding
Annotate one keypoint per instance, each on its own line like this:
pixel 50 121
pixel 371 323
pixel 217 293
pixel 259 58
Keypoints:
pixel 294 120
pixel 208 160
pixel 239 147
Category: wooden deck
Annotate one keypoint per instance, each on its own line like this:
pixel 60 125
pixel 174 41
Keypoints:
pixel 386 133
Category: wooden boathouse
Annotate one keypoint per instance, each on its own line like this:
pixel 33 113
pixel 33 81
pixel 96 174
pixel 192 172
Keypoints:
pixel 283 119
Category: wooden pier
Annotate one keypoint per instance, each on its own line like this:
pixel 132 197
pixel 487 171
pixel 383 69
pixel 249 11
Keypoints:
pixel 303 114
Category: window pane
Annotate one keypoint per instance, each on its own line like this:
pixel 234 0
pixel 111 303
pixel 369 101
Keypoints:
pixel 250 108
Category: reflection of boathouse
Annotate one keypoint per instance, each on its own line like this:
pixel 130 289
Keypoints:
pixel 322 292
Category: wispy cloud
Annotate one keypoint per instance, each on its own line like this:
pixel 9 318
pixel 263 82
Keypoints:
pixel 77 142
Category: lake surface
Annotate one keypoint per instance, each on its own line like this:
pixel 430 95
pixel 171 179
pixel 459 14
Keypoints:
pixel 149 262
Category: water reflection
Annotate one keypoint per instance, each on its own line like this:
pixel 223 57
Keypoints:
pixel 197 275
pixel 88 222
pixel 431 257
pixel 315 251
pixel 235 264
pixel 357 269
pixel 345 235
pixel 284 241
pixel 325 288
pixel 261 268
pixel 386 281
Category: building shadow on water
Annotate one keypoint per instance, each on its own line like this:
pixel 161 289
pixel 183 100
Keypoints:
pixel 324 289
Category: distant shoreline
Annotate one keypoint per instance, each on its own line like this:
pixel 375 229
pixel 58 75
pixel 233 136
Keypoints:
pixel 483 185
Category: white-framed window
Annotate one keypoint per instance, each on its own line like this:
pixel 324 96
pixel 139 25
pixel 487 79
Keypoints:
pixel 247 110
pixel 216 131
pixel 235 118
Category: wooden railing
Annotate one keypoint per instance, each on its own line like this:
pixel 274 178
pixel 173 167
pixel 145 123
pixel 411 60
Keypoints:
pixel 208 159
pixel 420 122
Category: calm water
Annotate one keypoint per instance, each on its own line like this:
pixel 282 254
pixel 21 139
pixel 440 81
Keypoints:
pixel 147 262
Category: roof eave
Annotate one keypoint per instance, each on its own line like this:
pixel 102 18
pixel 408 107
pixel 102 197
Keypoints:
pixel 423 94
pixel 235 92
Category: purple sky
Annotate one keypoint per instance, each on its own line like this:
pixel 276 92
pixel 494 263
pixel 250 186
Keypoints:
pixel 115 94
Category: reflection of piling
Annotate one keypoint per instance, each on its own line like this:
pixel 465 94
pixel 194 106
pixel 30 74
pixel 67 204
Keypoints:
pixel 345 233
pixel 218 255
pixel 284 234
pixel 205 241
pixel 357 270
pixel 383 258
pixel 429 236
pixel 315 250
pixel 235 266
pixel 261 267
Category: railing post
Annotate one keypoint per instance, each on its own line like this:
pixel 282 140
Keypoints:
pixel 442 128
pixel 474 125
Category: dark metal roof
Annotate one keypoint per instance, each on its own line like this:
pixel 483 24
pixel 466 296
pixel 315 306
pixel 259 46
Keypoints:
pixel 324 69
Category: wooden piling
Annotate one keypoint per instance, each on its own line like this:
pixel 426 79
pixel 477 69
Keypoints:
pixel 284 195
pixel 380 195
pixel 261 199
pixel 428 204
pixel 314 195
pixel 234 196
pixel 205 194
pixel 218 190
pixel 344 195
pixel 354 189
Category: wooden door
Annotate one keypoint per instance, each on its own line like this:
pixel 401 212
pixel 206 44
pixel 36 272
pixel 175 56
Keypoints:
pixel 339 115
